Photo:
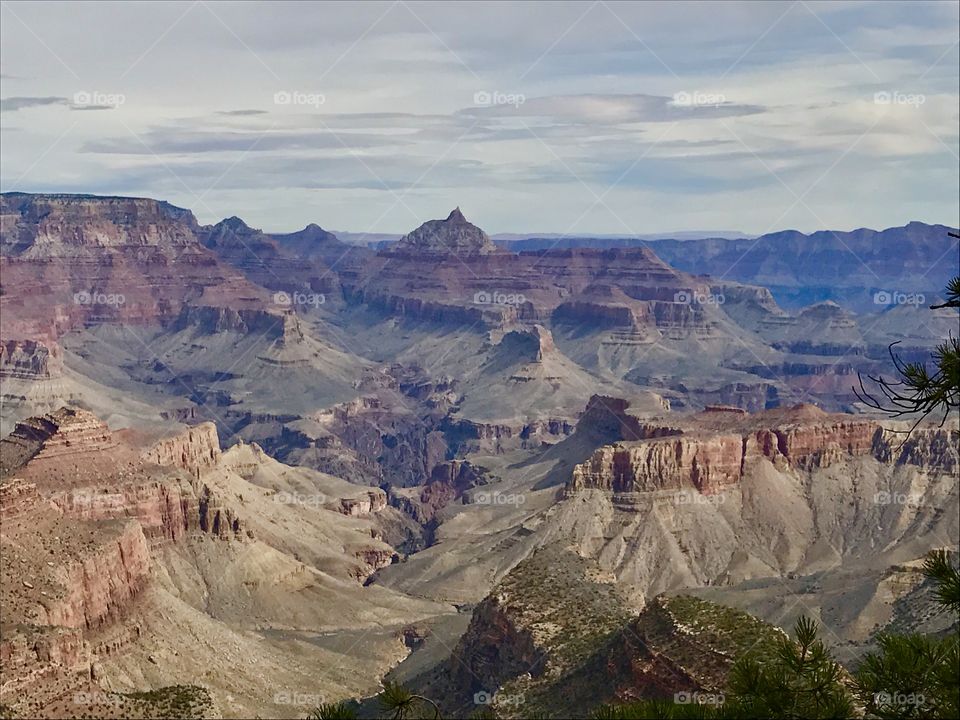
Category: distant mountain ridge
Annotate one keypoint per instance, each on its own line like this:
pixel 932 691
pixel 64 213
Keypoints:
pixel 847 267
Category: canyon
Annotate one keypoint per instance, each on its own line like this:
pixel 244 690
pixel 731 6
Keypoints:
pixel 246 473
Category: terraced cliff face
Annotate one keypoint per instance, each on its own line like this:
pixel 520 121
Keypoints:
pixel 627 289
pixel 78 524
pixel 276 262
pixel 114 545
pixel 60 434
pixel 72 259
pixel 30 359
pixel 699 455
pixel 723 497
pixel 196 449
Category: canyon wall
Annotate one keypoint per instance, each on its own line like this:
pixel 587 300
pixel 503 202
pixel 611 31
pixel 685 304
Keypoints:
pixel 710 463
pixel 195 449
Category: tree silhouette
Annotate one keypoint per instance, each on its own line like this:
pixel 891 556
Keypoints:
pixel 917 389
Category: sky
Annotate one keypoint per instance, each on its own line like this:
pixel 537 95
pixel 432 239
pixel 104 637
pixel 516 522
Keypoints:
pixel 574 117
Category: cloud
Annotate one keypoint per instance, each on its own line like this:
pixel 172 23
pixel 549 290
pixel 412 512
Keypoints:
pixel 76 107
pixel 173 141
pixel 241 113
pixel 593 109
pixel 13 104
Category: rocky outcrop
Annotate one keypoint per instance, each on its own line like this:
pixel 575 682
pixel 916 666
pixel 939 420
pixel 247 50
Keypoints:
pixel 531 345
pixel 607 419
pixel 17 497
pixel 196 449
pixel 101 585
pixel 30 359
pixel 373 559
pixel 41 224
pixel 452 236
pixel 559 640
pixel 706 464
pixel 63 433
pixel 166 510
pixel 710 452
pixel 549 613
pixel 496 648
pixel 215 518
pixel 683 645
pixel 820 444
pixel 69 260
pixel 267 261
pixel 935 448
pixel 272 324
pixel 372 501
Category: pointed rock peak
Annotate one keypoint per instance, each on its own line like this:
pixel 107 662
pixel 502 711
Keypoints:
pixel 315 232
pixel 234 223
pixel 454 236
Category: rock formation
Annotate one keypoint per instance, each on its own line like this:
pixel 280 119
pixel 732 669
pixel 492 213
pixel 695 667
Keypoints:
pixel 709 452
pixel 452 236
pixel 30 359
pixel 57 435
pixel 195 449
